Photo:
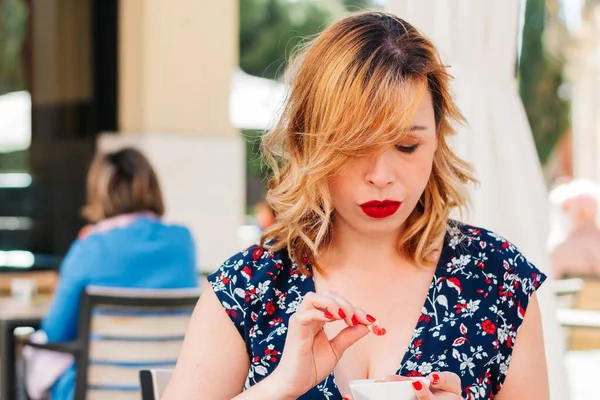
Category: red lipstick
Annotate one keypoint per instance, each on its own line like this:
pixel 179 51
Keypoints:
pixel 380 209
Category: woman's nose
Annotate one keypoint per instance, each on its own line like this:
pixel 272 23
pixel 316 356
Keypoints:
pixel 380 171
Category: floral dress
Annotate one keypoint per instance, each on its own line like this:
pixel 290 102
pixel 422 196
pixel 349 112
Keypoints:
pixel 468 325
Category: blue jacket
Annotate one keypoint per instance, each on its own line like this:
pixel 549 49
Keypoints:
pixel 146 254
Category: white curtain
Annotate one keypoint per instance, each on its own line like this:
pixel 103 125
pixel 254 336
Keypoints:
pixel 478 39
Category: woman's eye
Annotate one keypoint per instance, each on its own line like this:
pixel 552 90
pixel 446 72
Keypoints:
pixel 408 149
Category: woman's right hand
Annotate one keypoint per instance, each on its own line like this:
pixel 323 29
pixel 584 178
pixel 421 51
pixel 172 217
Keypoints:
pixel 309 356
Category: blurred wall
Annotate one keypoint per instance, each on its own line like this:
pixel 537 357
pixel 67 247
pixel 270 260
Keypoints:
pixel 176 59
pixel 584 74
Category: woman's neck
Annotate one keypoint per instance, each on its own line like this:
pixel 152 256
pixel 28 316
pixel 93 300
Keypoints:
pixel 351 250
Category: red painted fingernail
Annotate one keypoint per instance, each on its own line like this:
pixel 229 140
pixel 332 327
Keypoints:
pixel 345 398
pixel 417 385
pixel 328 315
pixel 354 320
pixel 341 313
pixel 435 378
pixel 370 318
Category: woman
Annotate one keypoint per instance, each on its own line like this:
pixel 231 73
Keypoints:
pixel 127 246
pixel 575 240
pixel 363 185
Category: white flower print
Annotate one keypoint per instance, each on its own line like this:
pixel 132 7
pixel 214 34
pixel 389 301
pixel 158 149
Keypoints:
pixel 425 368
pixel 482 285
pixel 411 366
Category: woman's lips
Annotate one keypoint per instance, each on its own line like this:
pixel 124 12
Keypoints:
pixel 380 209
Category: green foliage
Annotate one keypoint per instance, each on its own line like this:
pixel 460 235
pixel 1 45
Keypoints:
pixel 255 166
pixel 13 32
pixel 271 29
pixel 540 78
pixel 357 5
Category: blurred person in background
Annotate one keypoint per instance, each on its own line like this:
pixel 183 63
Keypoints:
pixel 265 216
pixel 575 237
pixel 126 245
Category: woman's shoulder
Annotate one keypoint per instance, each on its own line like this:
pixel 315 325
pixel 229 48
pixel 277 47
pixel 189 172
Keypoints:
pixel 255 265
pixel 472 249
pixel 469 240
pixel 133 224
pixel 251 279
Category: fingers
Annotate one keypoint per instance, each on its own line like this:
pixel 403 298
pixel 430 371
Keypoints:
pixel 446 381
pixel 346 338
pixel 306 318
pixel 348 397
pixel 422 392
pixel 335 308
pixel 327 304
pixel 363 317
pixel 346 310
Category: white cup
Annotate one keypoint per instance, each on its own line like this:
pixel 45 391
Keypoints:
pixel 369 389
pixel 22 289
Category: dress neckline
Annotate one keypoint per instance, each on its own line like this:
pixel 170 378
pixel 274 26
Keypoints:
pixel 423 319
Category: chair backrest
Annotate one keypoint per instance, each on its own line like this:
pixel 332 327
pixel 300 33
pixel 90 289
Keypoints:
pixel 154 382
pixel 588 298
pixel 123 331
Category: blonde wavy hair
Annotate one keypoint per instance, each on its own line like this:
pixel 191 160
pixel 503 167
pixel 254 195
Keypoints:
pixel 354 91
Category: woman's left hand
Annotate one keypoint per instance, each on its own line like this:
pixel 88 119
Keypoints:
pixel 442 386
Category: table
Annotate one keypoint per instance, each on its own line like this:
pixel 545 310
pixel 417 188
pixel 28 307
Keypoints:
pixel 13 314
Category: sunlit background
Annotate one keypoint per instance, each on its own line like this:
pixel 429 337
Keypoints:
pixel 194 85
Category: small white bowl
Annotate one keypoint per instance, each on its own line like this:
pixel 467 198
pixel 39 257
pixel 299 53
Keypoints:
pixel 369 389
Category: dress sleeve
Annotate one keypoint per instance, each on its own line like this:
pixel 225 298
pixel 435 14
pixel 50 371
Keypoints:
pixel 518 280
pixel 230 283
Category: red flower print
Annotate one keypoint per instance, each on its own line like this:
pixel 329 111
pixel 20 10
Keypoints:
pixel 247 272
pixel 257 253
pixel 489 327
pixel 481 276
pixel 455 283
pixel 270 308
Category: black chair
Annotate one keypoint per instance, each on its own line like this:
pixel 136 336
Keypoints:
pixel 154 382
pixel 123 331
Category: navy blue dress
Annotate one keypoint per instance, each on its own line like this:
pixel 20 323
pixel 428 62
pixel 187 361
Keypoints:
pixel 468 325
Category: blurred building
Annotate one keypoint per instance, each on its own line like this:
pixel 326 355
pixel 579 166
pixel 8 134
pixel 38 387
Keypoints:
pixel 584 74
pixel 101 74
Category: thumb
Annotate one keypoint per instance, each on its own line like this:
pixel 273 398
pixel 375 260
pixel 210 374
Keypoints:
pixel 348 397
pixel 346 338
